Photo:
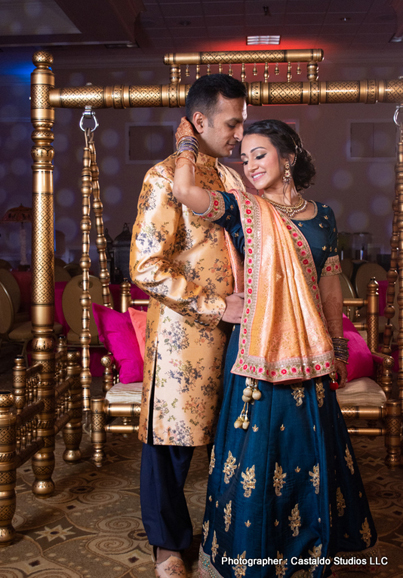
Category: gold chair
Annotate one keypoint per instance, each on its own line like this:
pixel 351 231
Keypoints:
pixel 13 289
pixel 12 331
pixel 72 308
pixel 364 274
pixel 61 274
pixel 5 264
pixel 348 292
pixel 119 399
pixel 347 267
pixel 30 417
pixel 370 399
pixel 73 269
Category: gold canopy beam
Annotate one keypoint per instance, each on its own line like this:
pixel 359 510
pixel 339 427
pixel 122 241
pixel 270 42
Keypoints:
pixel 259 93
pixel 245 57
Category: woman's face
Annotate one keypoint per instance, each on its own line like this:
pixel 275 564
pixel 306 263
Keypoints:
pixel 261 163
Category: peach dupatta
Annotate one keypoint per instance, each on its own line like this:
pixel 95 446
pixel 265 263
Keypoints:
pixel 283 334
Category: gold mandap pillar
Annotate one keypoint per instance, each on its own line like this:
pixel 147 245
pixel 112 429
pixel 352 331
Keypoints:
pixel 43 345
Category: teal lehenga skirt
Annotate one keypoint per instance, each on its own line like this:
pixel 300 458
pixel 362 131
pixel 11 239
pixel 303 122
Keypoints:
pixel 284 496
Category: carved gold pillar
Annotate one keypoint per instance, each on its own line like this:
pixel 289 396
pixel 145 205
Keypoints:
pixel 42 116
pixel 8 472
pixel 98 433
pixel 72 432
pixel 399 195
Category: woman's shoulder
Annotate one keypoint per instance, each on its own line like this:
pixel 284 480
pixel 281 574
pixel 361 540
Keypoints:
pixel 324 210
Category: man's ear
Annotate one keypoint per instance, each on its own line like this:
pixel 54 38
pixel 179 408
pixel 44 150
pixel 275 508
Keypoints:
pixel 199 122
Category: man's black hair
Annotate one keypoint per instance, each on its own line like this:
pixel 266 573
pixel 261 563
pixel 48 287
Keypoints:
pixel 205 91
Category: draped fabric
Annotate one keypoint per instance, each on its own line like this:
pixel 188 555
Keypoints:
pixel 283 331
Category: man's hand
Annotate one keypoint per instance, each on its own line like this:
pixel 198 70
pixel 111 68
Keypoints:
pixel 234 309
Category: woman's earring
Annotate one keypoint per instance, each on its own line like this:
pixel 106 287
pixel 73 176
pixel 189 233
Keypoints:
pixel 287 173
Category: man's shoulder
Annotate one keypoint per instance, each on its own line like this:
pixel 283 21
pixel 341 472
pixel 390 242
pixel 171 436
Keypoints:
pixel 230 170
pixel 164 169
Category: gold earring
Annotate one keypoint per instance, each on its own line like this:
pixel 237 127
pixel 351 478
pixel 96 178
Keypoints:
pixel 287 173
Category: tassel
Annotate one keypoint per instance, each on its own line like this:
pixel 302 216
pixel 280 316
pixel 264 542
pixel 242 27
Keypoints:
pixel 333 381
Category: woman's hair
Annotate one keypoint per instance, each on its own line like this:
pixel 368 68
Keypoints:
pixel 287 142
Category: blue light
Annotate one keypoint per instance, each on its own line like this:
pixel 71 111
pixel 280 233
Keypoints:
pixel 20 70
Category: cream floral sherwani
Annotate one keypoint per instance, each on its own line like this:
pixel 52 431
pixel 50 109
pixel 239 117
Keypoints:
pixel 182 262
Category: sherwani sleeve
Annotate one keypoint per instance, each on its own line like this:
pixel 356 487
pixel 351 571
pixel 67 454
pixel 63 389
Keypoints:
pixel 152 264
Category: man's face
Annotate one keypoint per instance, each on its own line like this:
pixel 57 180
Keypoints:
pixel 223 128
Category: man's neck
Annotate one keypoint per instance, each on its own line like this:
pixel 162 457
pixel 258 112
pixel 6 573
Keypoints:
pixel 203 148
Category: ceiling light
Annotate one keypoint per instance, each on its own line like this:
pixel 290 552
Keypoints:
pixel 396 39
pixel 252 40
pixel 344 19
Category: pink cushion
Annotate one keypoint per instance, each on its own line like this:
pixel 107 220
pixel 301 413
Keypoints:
pixel 360 362
pixel 117 334
pixel 139 321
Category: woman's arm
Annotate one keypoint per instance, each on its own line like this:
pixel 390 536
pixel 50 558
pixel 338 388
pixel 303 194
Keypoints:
pixel 332 303
pixel 185 190
pixel 184 187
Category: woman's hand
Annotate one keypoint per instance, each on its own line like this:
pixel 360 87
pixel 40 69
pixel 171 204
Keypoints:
pixel 341 370
pixel 185 129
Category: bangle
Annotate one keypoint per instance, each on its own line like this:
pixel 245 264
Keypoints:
pixel 186 145
pixel 340 349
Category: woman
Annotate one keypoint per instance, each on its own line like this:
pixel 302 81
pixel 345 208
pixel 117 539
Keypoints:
pixel 284 493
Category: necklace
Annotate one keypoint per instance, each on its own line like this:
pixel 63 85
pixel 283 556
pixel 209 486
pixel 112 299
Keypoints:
pixel 290 210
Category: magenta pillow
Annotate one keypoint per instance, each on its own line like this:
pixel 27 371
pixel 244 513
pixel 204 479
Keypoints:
pixel 116 332
pixel 360 362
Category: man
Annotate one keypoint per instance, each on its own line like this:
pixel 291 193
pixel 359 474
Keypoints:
pixel 182 262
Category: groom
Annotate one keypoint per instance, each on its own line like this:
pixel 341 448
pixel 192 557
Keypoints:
pixel 182 262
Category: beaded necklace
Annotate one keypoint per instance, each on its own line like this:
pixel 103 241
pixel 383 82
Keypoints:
pixel 289 210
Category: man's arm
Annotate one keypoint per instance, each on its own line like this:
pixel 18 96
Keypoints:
pixel 152 268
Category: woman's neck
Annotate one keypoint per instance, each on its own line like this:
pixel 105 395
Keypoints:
pixel 288 196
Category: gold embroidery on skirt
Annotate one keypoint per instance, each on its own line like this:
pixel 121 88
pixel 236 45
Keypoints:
pixel 316 551
pixel 214 547
pixel 341 504
pixel 349 460
pixel 249 481
pixel 320 392
pixel 228 515
pixel 206 525
pixel 247 524
pixel 240 570
pixel 315 478
pixel 229 467
pixel 278 479
pixel 281 568
pixel 295 520
pixel 212 461
pixel 298 394
pixel 366 533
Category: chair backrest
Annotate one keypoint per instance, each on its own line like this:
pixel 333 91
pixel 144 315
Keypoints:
pixel 72 308
pixel 5 264
pixel 347 267
pixel 73 269
pixel 348 293
pixel 365 273
pixel 13 289
pixel 61 274
pixel 59 262
pixel 6 311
